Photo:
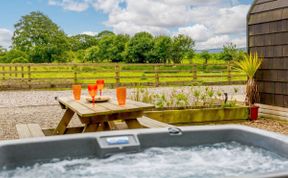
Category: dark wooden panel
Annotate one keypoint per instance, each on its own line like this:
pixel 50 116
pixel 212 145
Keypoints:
pixel 274 39
pixel 284 27
pixel 268 36
pixel 277 51
pixel 280 88
pixel 269 75
pixel 285 50
pixel 285 13
pixel 251 41
pixel 269 39
pixel 269 51
pixel 267 16
pixel 286 89
pixel 259 40
pixel 268 99
pixel 261 51
pixel 279 100
pixel 269 87
pixel 285 102
pixel 267 63
pixel 251 30
pixel 262 1
pixel 259 75
pixel 261 96
pixel 260 86
pixel 282 75
pixel 279 63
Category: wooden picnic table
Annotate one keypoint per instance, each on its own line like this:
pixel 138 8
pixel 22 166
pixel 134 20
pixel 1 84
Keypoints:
pixel 100 116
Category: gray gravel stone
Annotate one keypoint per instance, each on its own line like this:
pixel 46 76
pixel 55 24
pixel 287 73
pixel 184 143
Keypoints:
pixel 41 107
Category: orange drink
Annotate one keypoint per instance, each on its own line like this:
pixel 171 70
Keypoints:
pixel 100 85
pixel 92 89
pixel 76 91
pixel 121 95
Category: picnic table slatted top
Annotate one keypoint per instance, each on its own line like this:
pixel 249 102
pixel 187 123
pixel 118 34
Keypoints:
pixel 86 109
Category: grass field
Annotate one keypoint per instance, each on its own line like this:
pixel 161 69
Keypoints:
pixel 215 71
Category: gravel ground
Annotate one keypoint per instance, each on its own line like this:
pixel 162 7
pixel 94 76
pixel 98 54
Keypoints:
pixel 41 107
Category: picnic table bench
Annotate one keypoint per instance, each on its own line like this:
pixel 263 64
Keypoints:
pixel 100 116
pixel 95 117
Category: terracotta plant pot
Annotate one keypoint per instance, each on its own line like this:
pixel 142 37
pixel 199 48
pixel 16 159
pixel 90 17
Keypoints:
pixel 254 112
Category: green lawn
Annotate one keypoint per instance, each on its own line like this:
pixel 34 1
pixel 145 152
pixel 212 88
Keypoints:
pixel 214 72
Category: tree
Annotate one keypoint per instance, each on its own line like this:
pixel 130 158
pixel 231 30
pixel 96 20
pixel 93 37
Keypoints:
pixel 206 56
pixel 80 55
pixel 82 41
pixel 105 33
pixel 190 56
pixel 139 48
pixel 105 45
pixel 92 54
pixel 241 55
pixel 119 44
pixel 229 52
pixel 162 49
pixel 36 35
pixel 181 45
pixel 2 50
pixel 14 56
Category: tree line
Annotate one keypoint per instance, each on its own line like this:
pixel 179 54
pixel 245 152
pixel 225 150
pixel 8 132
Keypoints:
pixel 38 39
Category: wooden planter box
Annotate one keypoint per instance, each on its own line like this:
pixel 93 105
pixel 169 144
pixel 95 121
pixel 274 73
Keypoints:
pixel 183 116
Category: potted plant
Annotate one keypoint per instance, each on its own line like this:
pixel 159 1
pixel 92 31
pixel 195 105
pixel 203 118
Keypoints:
pixel 249 65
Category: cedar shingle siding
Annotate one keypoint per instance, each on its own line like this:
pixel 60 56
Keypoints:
pixel 268 36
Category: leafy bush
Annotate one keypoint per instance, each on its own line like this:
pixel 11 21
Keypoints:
pixel 195 97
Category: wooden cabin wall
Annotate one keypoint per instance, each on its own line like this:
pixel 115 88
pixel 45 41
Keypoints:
pixel 267 33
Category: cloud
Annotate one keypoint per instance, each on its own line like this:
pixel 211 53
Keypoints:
pixel 5 37
pixel 209 22
pixel 198 32
pixel 90 33
pixel 214 42
pixel 218 42
pixel 231 20
pixel 106 5
pixel 71 5
pixel 127 28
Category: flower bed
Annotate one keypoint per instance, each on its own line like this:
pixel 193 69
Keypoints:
pixel 192 106
pixel 186 116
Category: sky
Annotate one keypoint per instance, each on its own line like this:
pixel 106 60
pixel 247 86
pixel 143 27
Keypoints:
pixel 211 23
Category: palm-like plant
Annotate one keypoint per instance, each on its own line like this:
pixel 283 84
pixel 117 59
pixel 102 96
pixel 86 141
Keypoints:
pixel 249 65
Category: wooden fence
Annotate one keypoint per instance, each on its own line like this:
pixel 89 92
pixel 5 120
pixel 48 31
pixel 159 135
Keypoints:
pixel 40 76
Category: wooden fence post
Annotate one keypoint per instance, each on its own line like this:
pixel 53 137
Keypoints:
pixel 156 70
pixel 16 71
pixel 117 75
pixel 22 73
pixel 75 73
pixel 29 76
pixel 229 76
pixel 195 72
pixel 3 74
pixel 10 71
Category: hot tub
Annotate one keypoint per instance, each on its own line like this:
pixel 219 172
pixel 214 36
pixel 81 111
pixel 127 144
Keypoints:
pixel 201 151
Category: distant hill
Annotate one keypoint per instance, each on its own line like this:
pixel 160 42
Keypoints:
pixel 218 50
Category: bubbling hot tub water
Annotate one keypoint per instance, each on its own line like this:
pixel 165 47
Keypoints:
pixel 215 160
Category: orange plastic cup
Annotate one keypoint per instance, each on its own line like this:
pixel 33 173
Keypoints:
pixel 92 90
pixel 100 84
pixel 121 95
pixel 76 91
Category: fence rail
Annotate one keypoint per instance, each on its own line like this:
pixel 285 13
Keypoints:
pixel 38 76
